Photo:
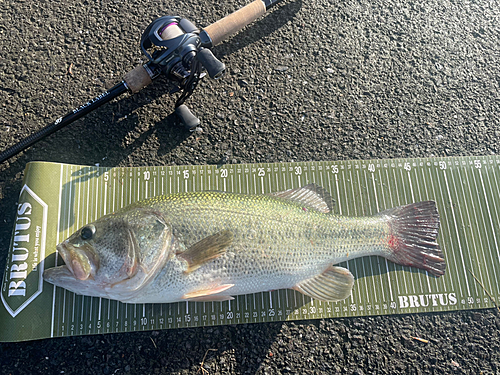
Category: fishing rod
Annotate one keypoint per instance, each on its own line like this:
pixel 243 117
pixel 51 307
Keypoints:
pixel 176 49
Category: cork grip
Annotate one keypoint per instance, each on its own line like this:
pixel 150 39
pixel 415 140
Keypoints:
pixel 234 22
pixel 137 79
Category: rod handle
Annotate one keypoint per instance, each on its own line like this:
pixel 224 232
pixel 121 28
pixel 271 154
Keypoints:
pixel 234 22
pixel 137 79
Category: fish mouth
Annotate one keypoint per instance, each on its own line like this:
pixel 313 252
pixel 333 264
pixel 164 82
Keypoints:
pixel 76 261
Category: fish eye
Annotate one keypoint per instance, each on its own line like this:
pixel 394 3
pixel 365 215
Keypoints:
pixel 87 232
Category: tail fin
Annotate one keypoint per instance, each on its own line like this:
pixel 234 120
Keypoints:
pixel 412 241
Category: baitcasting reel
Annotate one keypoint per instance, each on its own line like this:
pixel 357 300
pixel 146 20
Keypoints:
pixel 177 49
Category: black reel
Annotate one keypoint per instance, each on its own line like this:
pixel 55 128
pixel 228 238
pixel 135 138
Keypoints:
pixel 177 49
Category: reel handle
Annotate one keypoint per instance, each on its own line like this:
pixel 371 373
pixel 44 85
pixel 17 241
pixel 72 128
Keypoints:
pixel 212 64
pixel 189 120
pixel 234 22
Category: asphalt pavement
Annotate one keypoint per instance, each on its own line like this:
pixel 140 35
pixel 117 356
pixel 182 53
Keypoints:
pixel 311 80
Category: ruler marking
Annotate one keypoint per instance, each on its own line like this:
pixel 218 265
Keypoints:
pixel 495 206
pixel 484 223
pixel 421 198
pixel 456 231
pixel 443 245
pixel 396 266
pixel 416 275
pixel 470 224
pixel 413 185
pixel 374 289
pixel 361 196
pixel 347 208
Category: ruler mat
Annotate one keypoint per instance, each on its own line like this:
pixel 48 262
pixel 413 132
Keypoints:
pixel 57 199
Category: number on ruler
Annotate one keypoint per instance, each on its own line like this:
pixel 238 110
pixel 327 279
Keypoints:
pixel 298 170
pixel 106 176
pixel 335 169
pixel 185 173
pixel 223 173
pixel 371 167
pixel 477 164
pixel 442 165
pixel 261 172
pixel 407 167
pixel 147 175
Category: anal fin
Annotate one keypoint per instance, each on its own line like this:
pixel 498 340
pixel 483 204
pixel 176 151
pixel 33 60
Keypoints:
pixel 334 284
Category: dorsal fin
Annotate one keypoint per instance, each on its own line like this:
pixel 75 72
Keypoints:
pixel 311 195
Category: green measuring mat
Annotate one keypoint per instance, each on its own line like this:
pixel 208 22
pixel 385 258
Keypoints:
pixel 57 199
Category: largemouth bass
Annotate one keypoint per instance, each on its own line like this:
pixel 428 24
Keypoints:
pixel 210 246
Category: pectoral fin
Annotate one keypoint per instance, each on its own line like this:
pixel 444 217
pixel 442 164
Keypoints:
pixel 334 284
pixel 209 294
pixel 207 249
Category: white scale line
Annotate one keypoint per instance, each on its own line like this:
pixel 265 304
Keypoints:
pixel 68 224
pixel 471 223
pixel 382 184
pixel 446 220
pixel 442 227
pixel 393 204
pixel 417 274
pixel 163 183
pixel 374 288
pixel 270 180
pixel 433 197
pixel 355 214
pixel 494 205
pixel 347 210
pixel 385 207
pixel 361 197
pixel 77 216
pixel 421 198
pixel 57 240
pixel 491 223
pixel 407 272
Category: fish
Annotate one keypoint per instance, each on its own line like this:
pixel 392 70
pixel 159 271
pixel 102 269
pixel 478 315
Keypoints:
pixel 213 245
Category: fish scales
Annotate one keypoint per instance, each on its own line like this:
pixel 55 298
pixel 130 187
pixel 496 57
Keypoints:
pixel 215 245
pixel 276 243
